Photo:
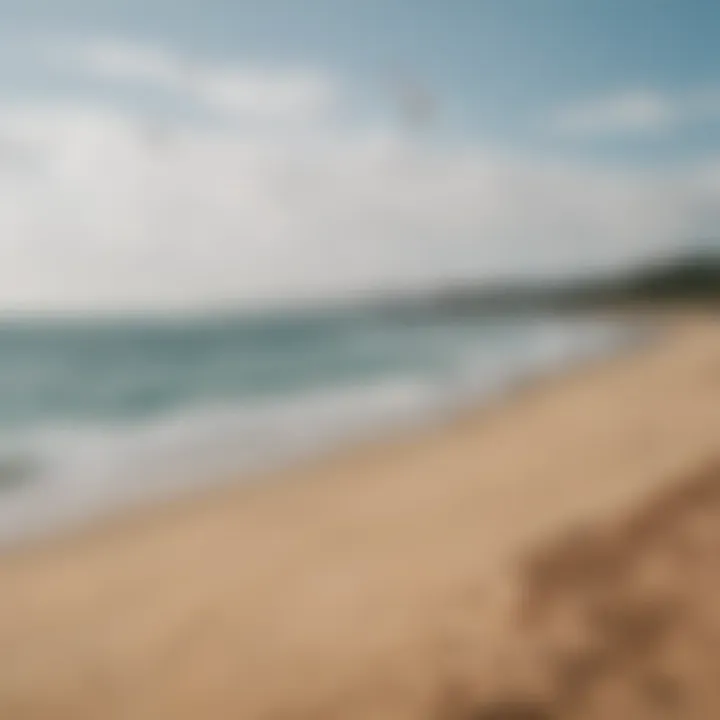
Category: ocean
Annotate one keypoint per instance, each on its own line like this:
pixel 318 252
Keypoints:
pixel 96 415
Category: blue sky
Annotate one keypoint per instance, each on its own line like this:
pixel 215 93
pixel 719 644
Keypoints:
pixel 564 44
pixel 497 66
pixel 568 133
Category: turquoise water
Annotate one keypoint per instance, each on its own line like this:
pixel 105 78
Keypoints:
pixel 97 414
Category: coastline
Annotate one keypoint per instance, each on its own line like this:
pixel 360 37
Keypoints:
pixel 132 490
pixel 100 454
pixel 344 580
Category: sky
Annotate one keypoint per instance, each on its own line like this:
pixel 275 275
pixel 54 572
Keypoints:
pixel 174 155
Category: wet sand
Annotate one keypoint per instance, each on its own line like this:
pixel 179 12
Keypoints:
pixel 424 578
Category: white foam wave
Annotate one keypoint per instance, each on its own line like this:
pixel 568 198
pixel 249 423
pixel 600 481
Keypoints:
pixel 59 475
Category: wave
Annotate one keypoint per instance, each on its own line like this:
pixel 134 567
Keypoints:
pixel 56 475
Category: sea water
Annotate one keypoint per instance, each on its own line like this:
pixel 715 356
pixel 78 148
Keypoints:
pixel 95 415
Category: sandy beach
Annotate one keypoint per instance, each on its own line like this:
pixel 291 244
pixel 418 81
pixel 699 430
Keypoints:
pixel 419 578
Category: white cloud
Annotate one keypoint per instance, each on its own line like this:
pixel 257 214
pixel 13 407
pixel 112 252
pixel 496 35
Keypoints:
pixel 99 210
pixel 100 216
pixel 636 112
pixel 240 91
pixel 125 61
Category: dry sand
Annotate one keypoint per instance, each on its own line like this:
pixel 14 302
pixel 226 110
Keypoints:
pixel 420 579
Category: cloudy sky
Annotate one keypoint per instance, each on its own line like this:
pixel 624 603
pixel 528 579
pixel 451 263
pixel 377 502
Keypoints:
pixel 175 154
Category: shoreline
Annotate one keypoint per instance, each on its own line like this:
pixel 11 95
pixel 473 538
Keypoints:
pixel 339 584
pixel 477 409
